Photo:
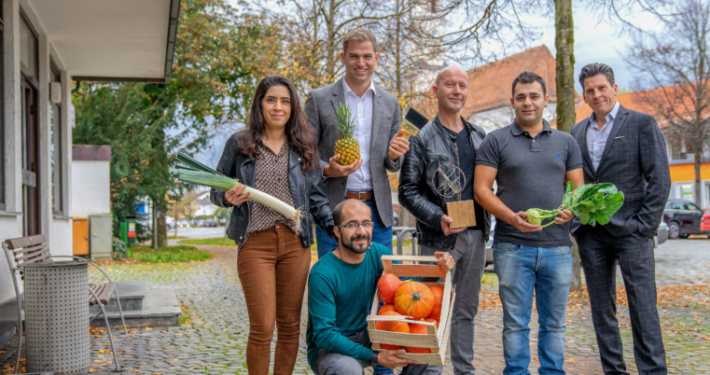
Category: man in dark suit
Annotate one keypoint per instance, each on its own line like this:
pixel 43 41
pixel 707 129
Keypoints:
pixel 626 148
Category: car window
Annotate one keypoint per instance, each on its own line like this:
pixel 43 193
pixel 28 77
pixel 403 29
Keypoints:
pixel 669 206
pixel 694 207
pixel 677 205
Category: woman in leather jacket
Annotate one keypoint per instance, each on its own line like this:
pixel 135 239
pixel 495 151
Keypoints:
pixel 277 154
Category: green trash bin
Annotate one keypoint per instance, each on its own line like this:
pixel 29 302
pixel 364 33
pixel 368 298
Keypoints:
pixel 123 229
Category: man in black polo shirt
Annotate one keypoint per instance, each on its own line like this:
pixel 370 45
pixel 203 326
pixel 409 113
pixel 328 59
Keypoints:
pixel 449 140
pixel 531 163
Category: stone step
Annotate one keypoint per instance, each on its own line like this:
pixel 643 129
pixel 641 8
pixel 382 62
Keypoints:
pixel 160 308
pixel 130 302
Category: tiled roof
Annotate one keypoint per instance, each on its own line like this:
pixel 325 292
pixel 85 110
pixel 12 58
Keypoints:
pixel 643 101
pixel 489 86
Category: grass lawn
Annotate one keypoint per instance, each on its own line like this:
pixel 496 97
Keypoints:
pixel 219 241
pixel 167 254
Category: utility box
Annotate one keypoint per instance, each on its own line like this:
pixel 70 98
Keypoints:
pixel 131 230
pixel 80 235
pixel 100 234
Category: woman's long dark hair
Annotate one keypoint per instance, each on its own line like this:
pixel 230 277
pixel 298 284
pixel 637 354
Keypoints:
pixel 298 130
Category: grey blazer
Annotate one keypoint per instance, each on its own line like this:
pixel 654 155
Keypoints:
pixel 320 108
pixel 635 161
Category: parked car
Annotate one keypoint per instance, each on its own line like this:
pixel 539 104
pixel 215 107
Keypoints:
pixel 705 224
pixel 683 218
pixel 209 223
pixel 661 235
pixel 396 218
pixel 489 244
pixel 170 222
pixel 183 224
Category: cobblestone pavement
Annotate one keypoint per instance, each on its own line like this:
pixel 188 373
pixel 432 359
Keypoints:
pixel 212 338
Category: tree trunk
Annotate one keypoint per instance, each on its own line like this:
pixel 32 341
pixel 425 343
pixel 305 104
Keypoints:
pixel 564 42
pixel 698 187
pixel 566 117
pixel 331 48
pixel 162 230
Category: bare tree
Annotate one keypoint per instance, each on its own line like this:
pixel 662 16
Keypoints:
pixel 411 52
pixel 673 65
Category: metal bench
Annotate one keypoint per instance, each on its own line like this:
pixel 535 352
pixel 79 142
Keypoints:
pixel 33 249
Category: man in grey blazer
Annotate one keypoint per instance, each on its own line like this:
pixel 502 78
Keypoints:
pixel 626 148
pixel 377 115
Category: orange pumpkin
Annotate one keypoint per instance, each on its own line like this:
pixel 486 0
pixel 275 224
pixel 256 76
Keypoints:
pixel 417 329
pixel 414 299
pixel 402 327
pixel 432 320
pixel 387 287
pixel 438 297
pixel 386 308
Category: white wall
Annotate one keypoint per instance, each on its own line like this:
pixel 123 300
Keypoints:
pixel 10 218
pixel 91 190
pixel 57 228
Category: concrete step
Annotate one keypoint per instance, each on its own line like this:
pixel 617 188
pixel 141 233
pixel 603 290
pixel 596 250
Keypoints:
pixel 159 308
pixel 130 302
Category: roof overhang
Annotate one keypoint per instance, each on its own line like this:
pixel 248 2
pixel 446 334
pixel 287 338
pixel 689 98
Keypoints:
pixel 109 40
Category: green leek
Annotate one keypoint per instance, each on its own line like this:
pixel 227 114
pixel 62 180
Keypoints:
pixel 200 174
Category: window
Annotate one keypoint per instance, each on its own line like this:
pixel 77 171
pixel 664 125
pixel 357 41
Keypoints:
pixel 693 207
pixel 56 136
pixel 28 50
pixel 686 192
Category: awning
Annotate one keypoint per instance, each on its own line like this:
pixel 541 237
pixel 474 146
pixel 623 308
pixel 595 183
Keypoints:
pixel 111 40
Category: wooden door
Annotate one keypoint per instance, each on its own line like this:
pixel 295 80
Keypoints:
pixel 30 162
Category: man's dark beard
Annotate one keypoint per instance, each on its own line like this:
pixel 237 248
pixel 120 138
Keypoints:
pixel 352 248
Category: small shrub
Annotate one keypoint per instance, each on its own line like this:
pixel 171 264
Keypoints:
pixel 120 250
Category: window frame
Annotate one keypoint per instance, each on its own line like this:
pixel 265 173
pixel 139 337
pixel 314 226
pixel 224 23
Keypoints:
pixel 56 73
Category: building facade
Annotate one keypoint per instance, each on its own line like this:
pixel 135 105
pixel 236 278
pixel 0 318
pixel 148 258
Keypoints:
pixel 46 45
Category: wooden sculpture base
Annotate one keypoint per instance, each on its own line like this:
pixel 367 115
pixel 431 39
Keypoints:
pixel 463 214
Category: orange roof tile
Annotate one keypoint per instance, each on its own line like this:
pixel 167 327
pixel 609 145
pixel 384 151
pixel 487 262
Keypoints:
pixel 489 85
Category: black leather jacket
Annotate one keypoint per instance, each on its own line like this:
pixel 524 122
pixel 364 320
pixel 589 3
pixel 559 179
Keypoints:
pixel 306 187
pixel 431 148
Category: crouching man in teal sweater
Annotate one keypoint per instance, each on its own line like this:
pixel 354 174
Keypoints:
pixel 341 287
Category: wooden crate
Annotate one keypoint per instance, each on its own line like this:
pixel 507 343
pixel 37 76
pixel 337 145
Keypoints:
pixel 436 339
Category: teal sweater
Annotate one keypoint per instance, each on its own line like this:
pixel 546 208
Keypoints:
pixel 339 299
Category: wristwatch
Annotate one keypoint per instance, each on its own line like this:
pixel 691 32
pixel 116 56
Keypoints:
pixel 374 358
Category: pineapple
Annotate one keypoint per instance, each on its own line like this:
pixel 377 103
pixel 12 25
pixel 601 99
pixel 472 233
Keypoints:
pixel 346 146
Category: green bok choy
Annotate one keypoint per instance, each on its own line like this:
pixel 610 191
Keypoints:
pixel 591 203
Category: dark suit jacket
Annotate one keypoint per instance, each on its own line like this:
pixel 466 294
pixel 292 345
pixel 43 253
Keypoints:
pixel 635 161
pixel 320 109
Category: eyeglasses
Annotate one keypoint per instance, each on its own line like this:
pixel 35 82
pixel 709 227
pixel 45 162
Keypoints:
pixel 353 225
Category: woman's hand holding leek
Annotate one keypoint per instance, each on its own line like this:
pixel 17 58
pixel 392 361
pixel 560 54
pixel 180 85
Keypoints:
pixel 235 196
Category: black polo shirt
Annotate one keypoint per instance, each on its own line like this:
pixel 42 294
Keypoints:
pixel 531 174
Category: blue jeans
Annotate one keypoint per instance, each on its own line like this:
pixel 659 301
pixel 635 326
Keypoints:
pixel 547 272
pixel 380 234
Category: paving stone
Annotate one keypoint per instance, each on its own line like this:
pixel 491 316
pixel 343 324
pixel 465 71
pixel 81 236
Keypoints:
pixel 214 338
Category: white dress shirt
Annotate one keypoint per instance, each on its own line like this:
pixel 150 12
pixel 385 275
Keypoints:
pixel 361 109
pixel 596 138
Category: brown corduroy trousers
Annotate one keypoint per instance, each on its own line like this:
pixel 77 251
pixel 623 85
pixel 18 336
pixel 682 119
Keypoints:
pixel 273 268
